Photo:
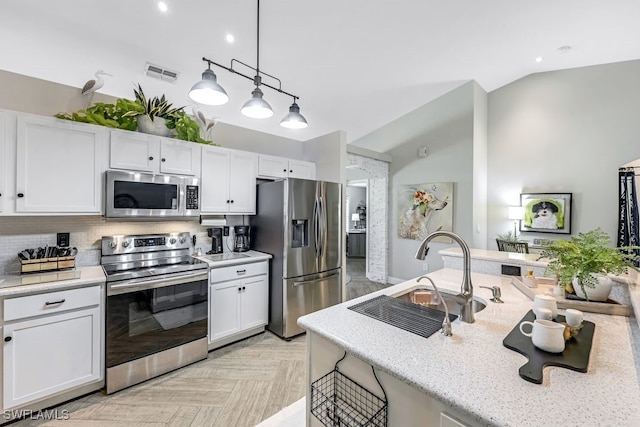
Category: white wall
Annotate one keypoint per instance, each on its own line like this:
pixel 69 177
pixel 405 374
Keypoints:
pixel 356 196
pixel 564 131
pixel 329 152
pixel 445 126
pixel 480 161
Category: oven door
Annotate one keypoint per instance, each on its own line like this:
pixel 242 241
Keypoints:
pixel 142 195
pixel 146 316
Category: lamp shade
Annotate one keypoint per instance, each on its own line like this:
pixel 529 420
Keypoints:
pixel 355 217
pixel 256 107
pixel 294 120
pixel 207 91
pixel 516 212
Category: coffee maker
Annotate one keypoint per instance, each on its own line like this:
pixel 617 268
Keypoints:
pixel 241 240
pixel 216 240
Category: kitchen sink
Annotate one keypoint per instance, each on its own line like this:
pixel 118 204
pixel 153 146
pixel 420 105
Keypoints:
pixel 427 297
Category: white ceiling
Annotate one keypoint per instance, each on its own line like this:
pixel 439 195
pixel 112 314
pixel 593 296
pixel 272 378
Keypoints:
pixel 355 64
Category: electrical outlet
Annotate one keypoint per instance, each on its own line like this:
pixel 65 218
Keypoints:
pixel 425 266
pixel 225 230
pixel 62 240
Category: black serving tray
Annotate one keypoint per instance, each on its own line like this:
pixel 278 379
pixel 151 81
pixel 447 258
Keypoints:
pixel 575 355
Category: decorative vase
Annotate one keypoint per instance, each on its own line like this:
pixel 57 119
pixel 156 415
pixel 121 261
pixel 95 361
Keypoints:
pixel 157 126
pixel 599 293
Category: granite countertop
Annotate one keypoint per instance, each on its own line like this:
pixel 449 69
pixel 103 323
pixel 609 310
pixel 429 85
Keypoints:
pixel 16 285
pixel 234 258
pixel 461 370
pixel 498 256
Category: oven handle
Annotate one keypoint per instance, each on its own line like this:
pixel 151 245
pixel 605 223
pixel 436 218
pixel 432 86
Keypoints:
pixel 154 283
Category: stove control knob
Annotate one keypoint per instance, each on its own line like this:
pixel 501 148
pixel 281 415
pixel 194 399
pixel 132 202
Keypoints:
pixel 113 245
pixel 183 239
pixel 125 244
pixel 172 240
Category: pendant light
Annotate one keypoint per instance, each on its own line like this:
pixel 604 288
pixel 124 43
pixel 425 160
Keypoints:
pixel 209 92
pixel 294 120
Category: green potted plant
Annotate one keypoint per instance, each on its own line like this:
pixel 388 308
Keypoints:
pixel 157 117
pixel 584 262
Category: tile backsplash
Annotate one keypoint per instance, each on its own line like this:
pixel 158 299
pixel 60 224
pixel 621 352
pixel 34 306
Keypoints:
pixel 18 233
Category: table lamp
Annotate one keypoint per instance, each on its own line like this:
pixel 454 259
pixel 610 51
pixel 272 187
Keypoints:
pixel 355 218
pixel 516 213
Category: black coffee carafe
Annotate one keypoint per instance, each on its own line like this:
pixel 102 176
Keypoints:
pixel 241 240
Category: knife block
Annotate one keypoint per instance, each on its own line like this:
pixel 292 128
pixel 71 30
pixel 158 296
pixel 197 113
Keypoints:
pixel 47 264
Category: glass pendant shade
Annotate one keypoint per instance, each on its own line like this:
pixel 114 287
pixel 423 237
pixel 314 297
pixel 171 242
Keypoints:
pixel 207 91
pixel 256 107
pixel 294 120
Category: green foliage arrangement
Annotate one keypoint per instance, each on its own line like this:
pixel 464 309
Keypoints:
pixel 122 115
pixel 508 237
pixel 586 254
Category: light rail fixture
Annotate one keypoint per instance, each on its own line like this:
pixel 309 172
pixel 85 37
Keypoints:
pixel 207 91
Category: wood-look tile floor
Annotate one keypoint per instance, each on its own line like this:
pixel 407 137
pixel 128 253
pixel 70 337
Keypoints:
pixel 238 385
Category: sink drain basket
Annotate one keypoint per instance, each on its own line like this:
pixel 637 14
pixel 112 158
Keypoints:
pixel 337 400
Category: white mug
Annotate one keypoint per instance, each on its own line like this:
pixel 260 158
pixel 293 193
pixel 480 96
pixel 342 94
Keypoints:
pixel 573 317
pixel 546 335
pixel 543 313
pixel 546 301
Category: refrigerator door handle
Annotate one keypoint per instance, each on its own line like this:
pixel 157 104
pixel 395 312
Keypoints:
pixel 322 221
pixel 320 279
pixel 316 227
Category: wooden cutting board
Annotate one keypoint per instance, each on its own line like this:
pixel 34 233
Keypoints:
pixel 575 355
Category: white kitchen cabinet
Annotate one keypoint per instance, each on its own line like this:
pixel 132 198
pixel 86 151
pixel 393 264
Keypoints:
pixel 228 181
pixel 280 167
pixel 51 348
pixel 59 166
pixel 149 153
pixel 238 301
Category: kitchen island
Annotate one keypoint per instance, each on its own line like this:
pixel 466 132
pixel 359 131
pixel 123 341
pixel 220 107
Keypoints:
pixel 471 378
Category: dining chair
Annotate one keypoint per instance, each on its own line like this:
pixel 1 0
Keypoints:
pixel 519 247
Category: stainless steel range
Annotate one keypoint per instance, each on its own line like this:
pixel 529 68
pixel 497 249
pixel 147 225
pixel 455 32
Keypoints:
pixel 156 306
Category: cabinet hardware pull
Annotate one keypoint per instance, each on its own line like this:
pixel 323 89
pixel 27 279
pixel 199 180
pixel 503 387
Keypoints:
pixel 244 288
pixel 241 271
pixel 284 170
pixel 164 160
pixel 239 289
pixel 7 339
pixel 290 170
pixel 20 194
pixel 232 201
pixel 55 302
pixel 150 157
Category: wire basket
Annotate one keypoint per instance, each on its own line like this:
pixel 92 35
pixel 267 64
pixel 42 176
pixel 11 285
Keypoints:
pixel 337 400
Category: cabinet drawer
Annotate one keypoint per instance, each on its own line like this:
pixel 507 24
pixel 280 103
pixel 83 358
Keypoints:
pixel 52 302
pixel 239 271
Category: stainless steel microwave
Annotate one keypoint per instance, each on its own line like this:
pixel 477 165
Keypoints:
pixel 140 196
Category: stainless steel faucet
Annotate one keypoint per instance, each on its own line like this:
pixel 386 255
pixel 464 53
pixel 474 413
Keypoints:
pixel 465 297
pixel 446 323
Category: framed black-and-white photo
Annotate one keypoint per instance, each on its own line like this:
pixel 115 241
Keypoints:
pixel 546 212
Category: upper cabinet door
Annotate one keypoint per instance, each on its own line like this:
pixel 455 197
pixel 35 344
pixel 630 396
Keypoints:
pixel 300 169
pixel 272 167
pixel 242 182
pixel 179 157
pixel 215 180
pixel 59 166
pixel 134 151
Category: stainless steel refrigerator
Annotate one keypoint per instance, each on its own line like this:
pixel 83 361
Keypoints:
pixel 298 222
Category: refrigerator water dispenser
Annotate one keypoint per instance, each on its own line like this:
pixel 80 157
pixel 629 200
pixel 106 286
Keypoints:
pixel 299 233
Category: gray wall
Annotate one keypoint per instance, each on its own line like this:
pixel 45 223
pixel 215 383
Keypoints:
pixel 563 131
pixel 445 126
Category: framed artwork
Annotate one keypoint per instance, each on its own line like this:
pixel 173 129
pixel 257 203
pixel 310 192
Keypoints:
pixel 425 208
pixel 546 212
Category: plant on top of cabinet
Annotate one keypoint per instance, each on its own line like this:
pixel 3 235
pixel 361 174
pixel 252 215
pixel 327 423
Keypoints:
pixel 148 115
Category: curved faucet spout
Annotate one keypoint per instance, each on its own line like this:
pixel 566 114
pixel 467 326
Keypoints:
pixel 466 288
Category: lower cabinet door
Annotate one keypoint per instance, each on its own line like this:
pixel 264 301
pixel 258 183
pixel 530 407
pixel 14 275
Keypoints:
pixel 50 354
pixel 255 295
pixel 224 317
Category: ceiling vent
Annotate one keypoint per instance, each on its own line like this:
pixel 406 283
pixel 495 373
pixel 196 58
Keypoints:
pixel 160 73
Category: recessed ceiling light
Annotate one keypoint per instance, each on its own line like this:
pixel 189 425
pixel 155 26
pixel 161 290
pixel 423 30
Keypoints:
pixel 229 38
pixel 564 49
pixel 162 6
pixel 539 59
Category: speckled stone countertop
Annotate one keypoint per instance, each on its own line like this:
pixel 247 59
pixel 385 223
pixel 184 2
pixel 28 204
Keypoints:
pixel 234 258
pixel 475 374
pixel 51 281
